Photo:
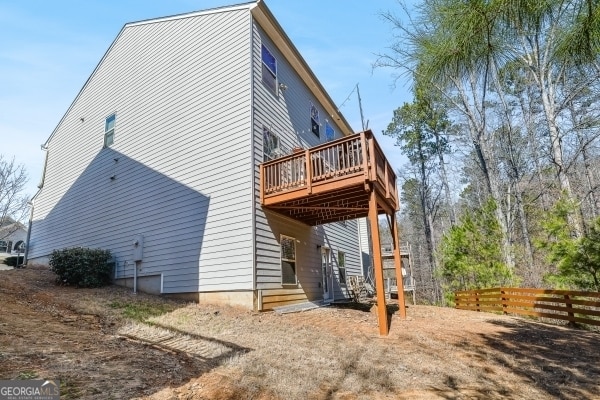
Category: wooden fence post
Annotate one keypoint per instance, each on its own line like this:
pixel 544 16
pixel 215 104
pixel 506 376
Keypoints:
pixel 570 312
pixel 477 301
pixel 504 305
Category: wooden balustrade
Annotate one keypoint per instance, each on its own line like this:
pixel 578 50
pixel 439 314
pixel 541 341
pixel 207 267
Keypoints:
pixel 330 182
pixel 351 155
pixel 573 306
pixel 288 173
pixel 331 160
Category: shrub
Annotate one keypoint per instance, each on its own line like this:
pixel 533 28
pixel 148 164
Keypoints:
pixel 82 267
pixel 13 261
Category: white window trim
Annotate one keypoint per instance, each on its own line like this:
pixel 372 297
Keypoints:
pixel 276 151
pixel 112 131
pixel 344 267
pixel 274 90
pixel 295 260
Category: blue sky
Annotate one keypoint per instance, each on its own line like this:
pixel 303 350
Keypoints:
pixel 49 48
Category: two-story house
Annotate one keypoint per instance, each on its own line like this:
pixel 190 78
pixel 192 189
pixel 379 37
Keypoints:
pixel 186 154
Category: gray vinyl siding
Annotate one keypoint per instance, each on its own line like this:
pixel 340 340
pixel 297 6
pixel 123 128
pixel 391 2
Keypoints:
pixel 288 116
pixel 181 91
pixel 365 245
pixel 340 236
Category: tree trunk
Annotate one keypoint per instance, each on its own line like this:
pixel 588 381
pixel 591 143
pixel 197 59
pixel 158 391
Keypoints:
pixel 445 184
pixel 426 207
pixel 535 279
pixel 533 142
pixel 543 72
pixel 485 155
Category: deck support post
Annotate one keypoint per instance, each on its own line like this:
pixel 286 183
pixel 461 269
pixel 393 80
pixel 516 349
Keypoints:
pixel 398 265
pixel 378 264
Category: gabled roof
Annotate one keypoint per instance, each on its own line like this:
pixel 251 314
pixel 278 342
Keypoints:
pixel 272 28
pixel 208 11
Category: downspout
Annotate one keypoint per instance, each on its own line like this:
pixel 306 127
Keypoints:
pixel 330 269
pixel 253 167
pixel 31 204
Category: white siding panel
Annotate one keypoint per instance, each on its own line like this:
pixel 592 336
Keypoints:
pixel 180 159
pixel 288 115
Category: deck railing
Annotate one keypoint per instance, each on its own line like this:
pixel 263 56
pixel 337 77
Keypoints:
pixel 572 306
pixel 335 160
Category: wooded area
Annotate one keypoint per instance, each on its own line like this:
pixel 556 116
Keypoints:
pixel 501 188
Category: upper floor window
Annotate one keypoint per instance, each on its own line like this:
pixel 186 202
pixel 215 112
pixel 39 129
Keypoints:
pixel 329 131
pixel 269 69
pixel 315 127
pixel 109 130
pixel 270 145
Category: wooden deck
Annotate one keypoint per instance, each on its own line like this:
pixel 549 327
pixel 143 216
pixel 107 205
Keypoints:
pixel 331 182
pixel 343 179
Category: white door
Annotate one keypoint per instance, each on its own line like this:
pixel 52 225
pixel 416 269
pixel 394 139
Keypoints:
pixel 326 272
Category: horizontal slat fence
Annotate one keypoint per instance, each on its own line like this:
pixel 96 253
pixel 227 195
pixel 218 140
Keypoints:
pixel 572 306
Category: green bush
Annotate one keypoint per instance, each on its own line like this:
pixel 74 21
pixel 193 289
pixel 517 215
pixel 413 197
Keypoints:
pixel 82 267
pixel 13 261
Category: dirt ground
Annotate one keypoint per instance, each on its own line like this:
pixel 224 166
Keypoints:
pixel 111 344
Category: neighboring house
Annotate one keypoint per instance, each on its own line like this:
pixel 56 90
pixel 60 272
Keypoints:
pixel 13 236
pixel 159 160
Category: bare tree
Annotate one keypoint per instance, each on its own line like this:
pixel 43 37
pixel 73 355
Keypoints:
pixel 13 202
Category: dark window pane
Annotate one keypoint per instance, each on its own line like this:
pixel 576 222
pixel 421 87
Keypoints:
pixel 288 272
pixel 314 127
pixel 288 249
pixel 269 60
pixel 110 123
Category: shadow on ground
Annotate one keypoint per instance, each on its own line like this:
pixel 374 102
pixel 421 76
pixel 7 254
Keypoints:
pixel 559 361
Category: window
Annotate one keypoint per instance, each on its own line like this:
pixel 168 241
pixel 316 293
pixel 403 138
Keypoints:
pixel 314 121
pixel 19 246
pixel 270 145
pixel 329 131
pixel 288 260
pixel 109 130
pixel 342 266
pixel 269 69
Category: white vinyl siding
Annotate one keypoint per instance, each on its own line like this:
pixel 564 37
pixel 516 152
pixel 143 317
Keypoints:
pixel 289 117
pixel 365 245
pixel 181 162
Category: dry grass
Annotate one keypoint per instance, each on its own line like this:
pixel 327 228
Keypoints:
pixel 146 347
